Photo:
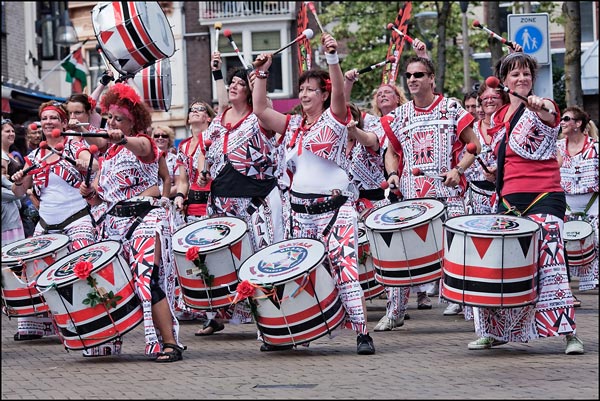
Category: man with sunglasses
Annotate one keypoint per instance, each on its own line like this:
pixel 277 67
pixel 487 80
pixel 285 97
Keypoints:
pixel 429 134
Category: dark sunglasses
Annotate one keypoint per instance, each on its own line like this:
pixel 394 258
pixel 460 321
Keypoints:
pixel 417 75
pixel 166 136
pixel 567 119
pixel 196 109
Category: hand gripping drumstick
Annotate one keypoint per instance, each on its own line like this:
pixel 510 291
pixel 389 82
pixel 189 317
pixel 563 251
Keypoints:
pixel 392 187
pixel 58 151
pixel 493 82
pixel 472 149
pixel 418 172
pixel 390 59
pixel 57 132
pixel 312 9
pixel 227 34
pixel 103 57
pixel 218 27
pixel 307 33
pixel 93 150
pixel 391 27
pixel 36 165
pixel 494 35
pixel 207 144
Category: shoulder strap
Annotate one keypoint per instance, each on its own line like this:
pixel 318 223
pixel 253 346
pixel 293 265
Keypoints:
pixel 502 148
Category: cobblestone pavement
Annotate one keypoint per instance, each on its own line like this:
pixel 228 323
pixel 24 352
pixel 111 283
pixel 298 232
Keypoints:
pixel 427 358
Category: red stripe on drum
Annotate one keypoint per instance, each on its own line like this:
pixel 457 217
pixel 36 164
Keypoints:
pixel 142 33
pixel 311 335
pixel 490 273
pixel 492 300
pixel 409 282
pixel 218 281
pixel 291 319
pixel 209 303
pixel 125 37
pixel 416 262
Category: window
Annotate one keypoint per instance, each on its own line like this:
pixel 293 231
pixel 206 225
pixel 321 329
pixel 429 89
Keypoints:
pixel 587 21
pixel 46 26
pixel 95 66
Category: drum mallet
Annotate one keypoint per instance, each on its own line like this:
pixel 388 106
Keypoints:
pixel 392 27
pixel 312 9
pixel 418 172
pixel 93 149
pixel 35 165
pixel 392 187
pixel 102 56
pixel 218 27
pixel 390 59
pixel 494 35
pixel 227 34
pixel 207 144
pixel 58 151
pixel 472 149
pixel 307 33
pixel 57 132
pixel 493 82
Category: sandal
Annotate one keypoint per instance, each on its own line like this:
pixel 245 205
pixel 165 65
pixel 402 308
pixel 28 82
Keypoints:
pixel 210 324
pixel 171 356
pixel 576 302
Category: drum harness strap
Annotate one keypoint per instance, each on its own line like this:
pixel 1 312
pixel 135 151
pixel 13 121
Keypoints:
pixel 515 211
pixel 587 207
pixel 139 210
pixel 61 226
pixel 336 201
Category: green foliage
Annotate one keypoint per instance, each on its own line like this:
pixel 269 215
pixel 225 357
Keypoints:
pixel 558 87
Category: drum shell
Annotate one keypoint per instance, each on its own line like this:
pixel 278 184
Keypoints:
pixel 366 270
pixel 22 262
pixel 580 248
pixel 222 262
pixel 81 326
pixel 409 253
pixel 297 309
pixel 155 85
pixel 497 269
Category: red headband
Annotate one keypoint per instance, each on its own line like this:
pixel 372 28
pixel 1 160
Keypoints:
pixel 113 108
pixel 61 112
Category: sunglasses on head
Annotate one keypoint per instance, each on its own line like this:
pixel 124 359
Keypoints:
pixel 166 136
pixel 419 74
pixel 196 109
pixel 567 119
pixel 6 121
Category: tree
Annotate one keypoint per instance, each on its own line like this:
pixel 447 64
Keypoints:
pixel 573 90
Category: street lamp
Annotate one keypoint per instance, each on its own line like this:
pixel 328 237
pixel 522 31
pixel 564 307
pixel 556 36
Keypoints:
pixel 464 5
pixel 65 33
pixel 427 25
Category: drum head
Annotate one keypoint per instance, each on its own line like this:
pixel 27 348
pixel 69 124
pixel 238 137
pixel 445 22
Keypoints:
pixel 209 234
pixel 282 261
pixel 33 248
pixel 491 224
pixel 405 214
pixel 577 230
pixel 61 272
pixel 157 25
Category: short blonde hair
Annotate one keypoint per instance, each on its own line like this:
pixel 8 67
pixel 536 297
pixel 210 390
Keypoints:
pixel 167 130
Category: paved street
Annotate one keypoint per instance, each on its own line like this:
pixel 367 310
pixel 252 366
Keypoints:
pixel 425 359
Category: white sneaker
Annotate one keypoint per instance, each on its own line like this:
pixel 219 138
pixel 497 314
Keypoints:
pixel 452 309
pixel 435 289
pixel 574 346
pixel 387 324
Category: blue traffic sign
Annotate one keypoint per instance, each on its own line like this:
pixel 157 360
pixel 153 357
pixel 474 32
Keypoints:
pixel 531 38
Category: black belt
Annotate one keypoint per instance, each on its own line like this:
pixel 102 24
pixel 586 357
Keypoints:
pixel 372 194
pixel 131 209
pixel 320 207
pixel 61 226
pixel 197 197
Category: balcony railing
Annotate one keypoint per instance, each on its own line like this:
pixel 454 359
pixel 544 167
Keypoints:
pixel 219 10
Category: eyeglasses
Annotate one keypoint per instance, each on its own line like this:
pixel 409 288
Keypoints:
pixel 567 119
pixel 417 75
pixel 490 98
pixel 196 109
pixel 166 136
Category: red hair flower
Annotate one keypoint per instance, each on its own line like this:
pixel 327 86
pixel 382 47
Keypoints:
pixel 328 85
pixel 92 102
pixel 192 253
pixel 83 269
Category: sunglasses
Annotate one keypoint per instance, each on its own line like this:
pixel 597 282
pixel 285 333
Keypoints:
pixel 166 136
pixel 196 109
pixel 567 119
pixel 417 75
pixel 6 121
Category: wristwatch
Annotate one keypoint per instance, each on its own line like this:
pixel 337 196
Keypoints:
pixel 460 170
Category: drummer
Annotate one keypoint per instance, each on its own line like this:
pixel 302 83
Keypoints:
pixel 55 183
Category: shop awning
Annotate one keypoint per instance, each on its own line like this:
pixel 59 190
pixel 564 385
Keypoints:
pixel 22 103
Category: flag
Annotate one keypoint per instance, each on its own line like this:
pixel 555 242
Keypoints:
pixel 304 50
pixel 76 70
pixel 390 72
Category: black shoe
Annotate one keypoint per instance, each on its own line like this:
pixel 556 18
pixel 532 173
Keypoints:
pixel 268 347
pixel 27 337
pixel 406 316
pixel 364 345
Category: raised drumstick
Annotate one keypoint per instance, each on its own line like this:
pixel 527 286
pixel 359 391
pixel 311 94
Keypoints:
pixel 218 27
pixel 391 27
pixel 228 34
pixel 307 33
pixel 93 150
pixel 390 59
pixel 494 35
pixel 312 9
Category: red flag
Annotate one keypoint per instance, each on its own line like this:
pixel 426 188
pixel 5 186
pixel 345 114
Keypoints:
pixel 390 72
pixel 304 50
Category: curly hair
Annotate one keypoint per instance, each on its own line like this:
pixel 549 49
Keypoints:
pixel 322 76
pixel 123 95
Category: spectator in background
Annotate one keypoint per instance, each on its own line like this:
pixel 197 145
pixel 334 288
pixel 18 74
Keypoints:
pixel 12 226
pixel 470 103
pixel 33 136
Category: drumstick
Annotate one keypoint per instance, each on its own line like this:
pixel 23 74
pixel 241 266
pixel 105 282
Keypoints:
pixel 93 150
pixel 103 57
pixel 472 149
pixel 57 132
pixel 218 27
pixel 390 59
pixel 227 34
pixel 207 144
pixel 58 151
pixel 35 164
pixel 392 187
pixel 391 27
pixel 312 9
pixel 494 35
pixel 307 33
pixel 418 172
pixel 493 82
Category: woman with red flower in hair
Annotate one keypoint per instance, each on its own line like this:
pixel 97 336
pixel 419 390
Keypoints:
pixel 128 183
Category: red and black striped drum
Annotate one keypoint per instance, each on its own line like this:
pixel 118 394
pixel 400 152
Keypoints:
pixel 579 243
pixel 154 83
pixel 22 263
pixel 295 297
pixel 82 323
pixel 491 261
pixel 366 271
pixel 133 35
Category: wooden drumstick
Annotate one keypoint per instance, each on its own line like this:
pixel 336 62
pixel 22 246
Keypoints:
pixel 93 150
pixel 312 9
pixel 58 151
pixel 218 27
pixel 472 149
pixel 418 172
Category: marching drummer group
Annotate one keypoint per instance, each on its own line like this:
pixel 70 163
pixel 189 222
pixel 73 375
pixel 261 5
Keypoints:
pixel 316 175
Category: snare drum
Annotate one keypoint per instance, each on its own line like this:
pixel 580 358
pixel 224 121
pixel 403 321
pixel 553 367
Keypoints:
pixel 223 244
pixel 579 242
pixel 406 242
pixel 491 261
pixel 297 300
pixel 132 34
pixel 154 83
pixel 80 325
pixel 22 262
pixel 366 270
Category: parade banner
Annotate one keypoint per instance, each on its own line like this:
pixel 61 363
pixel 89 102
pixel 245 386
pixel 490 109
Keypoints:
pixel 304 49
pixel 390 72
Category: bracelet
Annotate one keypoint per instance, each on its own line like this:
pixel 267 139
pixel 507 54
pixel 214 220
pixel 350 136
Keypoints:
pixel 262 74
pixel 332 58
pixel 123 141
pixel 180 194
pixel 393 173
pixel 18 184
pixel 217 75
